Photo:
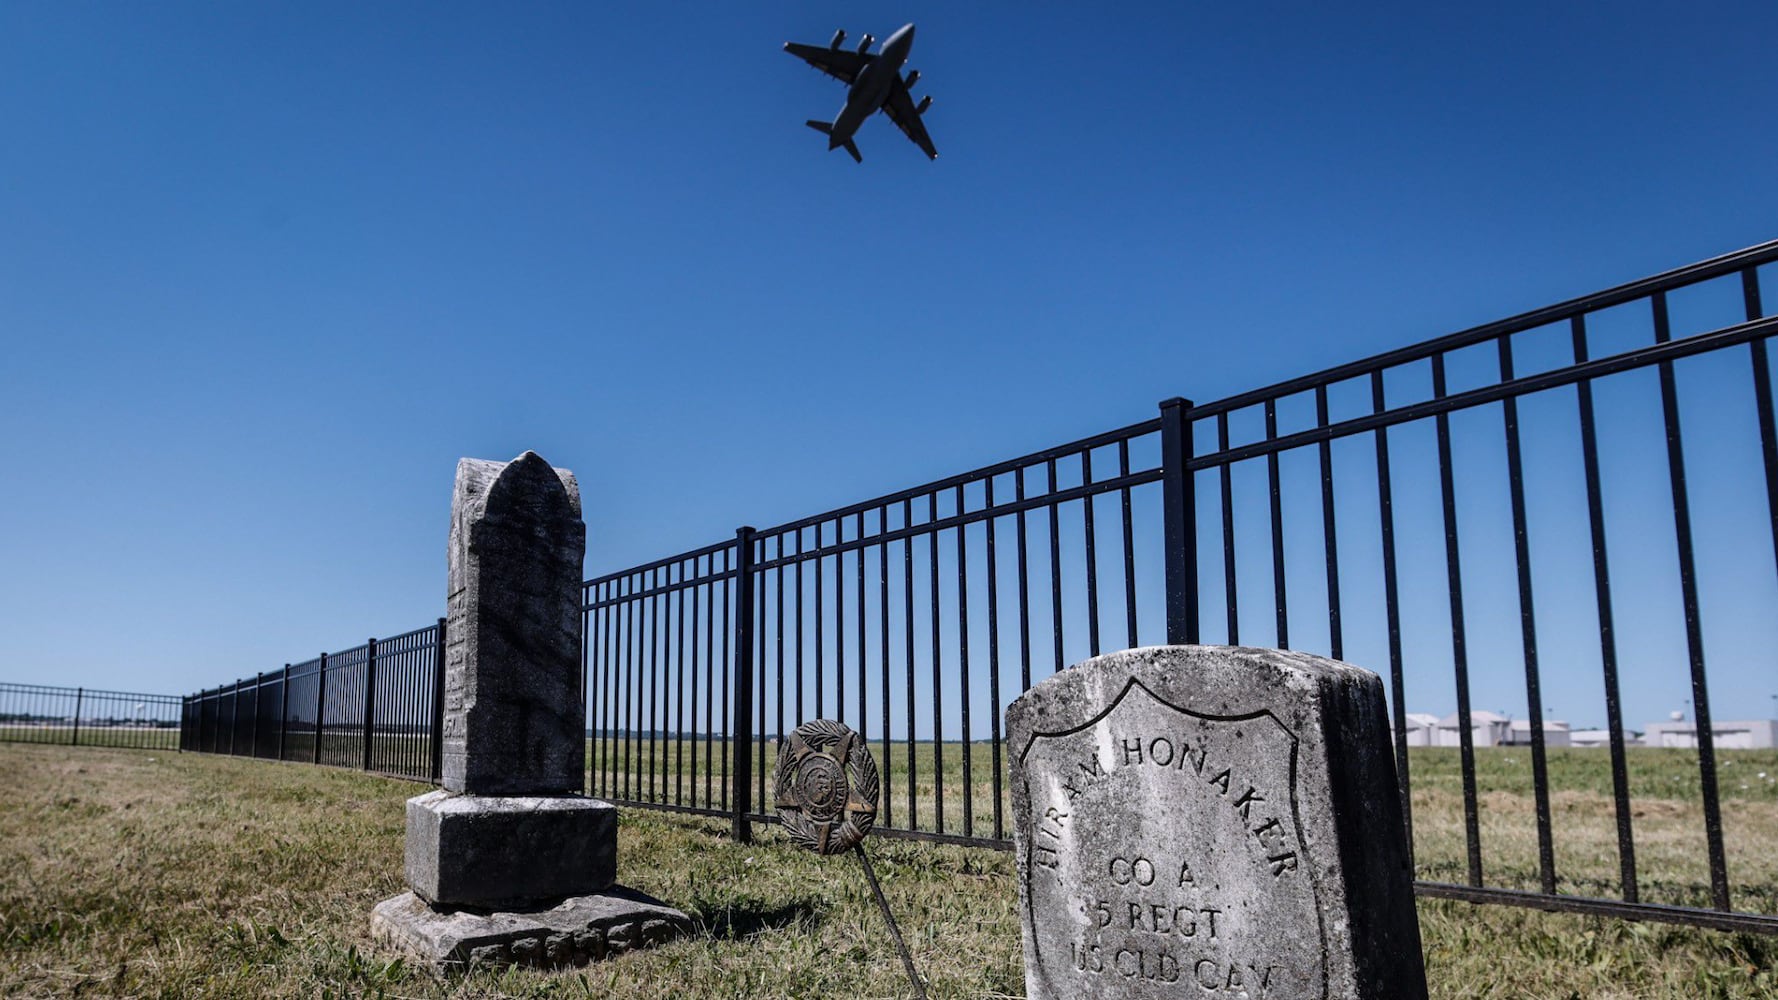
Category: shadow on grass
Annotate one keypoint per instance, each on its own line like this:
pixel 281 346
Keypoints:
pixel 742 919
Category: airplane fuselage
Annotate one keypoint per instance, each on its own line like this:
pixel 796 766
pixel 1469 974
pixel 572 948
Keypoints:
pixel 872 87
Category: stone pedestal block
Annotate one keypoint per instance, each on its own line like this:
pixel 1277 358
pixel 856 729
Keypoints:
pixel 470 850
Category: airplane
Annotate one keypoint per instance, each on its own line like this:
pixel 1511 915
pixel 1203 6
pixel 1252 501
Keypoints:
pixel 874 84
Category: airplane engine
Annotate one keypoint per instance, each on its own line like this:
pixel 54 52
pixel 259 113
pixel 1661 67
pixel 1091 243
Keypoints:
pixel 863 45
pixel 925 102
pixel 838 38
pixel 913 78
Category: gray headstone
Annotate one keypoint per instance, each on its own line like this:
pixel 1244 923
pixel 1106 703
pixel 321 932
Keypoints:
pixel 512 714
pixel 509 863
pixel 1198 821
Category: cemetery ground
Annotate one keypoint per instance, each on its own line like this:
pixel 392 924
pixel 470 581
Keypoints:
pixel 91 735
pixel 133 873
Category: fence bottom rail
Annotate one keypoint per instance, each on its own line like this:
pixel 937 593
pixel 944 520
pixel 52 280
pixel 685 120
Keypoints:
pixel 1721 920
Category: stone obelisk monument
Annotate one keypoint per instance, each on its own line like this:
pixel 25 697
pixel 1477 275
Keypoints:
pixel 509 862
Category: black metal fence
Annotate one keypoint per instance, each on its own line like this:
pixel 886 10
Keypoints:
pixel 374 707
pixel 864 615
pixel 1453 424
pixel 36 713
pixel 1417 512
pixel 1383 512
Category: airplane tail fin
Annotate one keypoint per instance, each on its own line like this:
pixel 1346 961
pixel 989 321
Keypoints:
pixel 827 130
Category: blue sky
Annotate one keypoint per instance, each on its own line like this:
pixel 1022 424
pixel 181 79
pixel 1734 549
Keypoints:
pixel 267 271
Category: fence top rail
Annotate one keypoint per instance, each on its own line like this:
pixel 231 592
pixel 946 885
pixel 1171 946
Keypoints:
pixel 97 692
pixel 641 593
pixel 1715 267
pixel 356 656
pixel 1126 433
pixel 225 690
pixel 409 634
pixel 1000 508
pixel 699 553
pixel 1666 281
pixel 352 655
pixel 1702 343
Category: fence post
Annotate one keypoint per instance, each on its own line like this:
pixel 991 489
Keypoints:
pixel 283 710
pixel 370 695
pixel 742 731
pixel 258 692
pixel 79 696
pixel 585 718
pixel 1180 516
pixel 438 691
pixel 234 716
pixel 320 705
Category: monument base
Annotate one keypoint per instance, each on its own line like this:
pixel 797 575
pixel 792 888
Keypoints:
pixel 578 930
pixel 502 852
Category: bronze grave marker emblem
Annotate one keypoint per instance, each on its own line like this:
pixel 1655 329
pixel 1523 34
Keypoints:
pixel 826 785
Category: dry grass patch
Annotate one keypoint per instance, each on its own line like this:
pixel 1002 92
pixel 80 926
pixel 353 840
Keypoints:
pixel 1666 818
pixel 154 875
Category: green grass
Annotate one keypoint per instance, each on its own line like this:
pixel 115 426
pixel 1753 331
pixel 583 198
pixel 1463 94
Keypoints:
pixel 1667 820
pixel 93 735
pixel 168 875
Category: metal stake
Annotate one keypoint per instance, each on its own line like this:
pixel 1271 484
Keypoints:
pixel 907 960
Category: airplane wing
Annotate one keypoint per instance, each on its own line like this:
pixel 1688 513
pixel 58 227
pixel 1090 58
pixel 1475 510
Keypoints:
pixel 841 64
pixel 901 110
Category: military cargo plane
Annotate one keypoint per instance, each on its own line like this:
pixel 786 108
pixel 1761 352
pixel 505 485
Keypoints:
pixel 874 84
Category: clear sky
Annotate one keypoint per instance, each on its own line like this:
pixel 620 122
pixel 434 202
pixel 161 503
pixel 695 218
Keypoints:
pixel 267 271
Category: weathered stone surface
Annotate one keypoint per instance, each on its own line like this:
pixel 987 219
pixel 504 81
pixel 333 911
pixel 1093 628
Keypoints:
pixel 512 719
pixel 578 930
pixel 509 863
pixel 1197 821
pixel 509 851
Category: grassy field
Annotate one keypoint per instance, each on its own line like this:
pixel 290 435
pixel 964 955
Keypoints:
pixel 157 875
pixel 92 735
pixel 1667 819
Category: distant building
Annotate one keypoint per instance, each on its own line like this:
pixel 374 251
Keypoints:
pixel 1759 734
pixel 1487 728
pixel 1422 729
pixel 1600 738
pixel 1555 733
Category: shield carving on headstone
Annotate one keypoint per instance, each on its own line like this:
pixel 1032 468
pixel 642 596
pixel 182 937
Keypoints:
pixel 1164 855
